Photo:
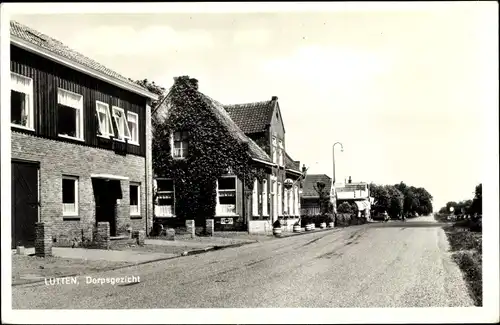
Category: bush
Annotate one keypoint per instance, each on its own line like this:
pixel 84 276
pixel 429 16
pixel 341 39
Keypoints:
pixel 345 207
pixel 471 266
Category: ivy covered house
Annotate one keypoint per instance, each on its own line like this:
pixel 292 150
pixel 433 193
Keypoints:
pixel 207 167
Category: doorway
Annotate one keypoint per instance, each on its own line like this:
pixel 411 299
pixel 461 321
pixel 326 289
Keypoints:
pixel 106 194
pixel 25 202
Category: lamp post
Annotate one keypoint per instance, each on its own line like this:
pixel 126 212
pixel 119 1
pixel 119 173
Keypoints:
pixel 333 149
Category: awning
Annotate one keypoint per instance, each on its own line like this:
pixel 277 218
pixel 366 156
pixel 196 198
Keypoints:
pixel 108 176
pixel 362 205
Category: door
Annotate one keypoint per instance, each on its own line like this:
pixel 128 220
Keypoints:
pixel 25 203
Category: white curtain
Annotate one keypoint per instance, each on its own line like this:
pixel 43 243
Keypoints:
pixel 255 199
pixel 285 203
pixel 21 84
pixel 296 194
pixel 69 99
pixel 264 197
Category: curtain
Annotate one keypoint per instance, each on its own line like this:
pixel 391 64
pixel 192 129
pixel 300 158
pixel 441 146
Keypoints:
pixel 69 99
pixel 21 84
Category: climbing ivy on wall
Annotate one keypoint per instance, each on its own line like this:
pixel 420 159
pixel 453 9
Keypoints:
pixel 212 151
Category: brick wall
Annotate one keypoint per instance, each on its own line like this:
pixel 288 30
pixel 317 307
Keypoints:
pixel 59 158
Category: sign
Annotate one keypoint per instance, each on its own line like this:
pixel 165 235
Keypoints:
pixel 451 209
pixel 226 221
pixel 288 183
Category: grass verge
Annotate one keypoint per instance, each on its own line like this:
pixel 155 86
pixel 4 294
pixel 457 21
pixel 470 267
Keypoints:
pixel 466 248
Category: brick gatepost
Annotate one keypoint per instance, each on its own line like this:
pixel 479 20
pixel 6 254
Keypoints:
pixel 43 240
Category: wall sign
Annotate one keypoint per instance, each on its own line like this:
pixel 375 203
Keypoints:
pixel 226 221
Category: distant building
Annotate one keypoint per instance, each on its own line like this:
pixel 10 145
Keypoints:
pixel 310 195
pixel 354 192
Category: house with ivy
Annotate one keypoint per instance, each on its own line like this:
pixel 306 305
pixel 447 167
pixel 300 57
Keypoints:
pixel 213 161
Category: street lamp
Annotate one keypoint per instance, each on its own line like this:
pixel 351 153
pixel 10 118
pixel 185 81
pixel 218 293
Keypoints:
pixel 333 149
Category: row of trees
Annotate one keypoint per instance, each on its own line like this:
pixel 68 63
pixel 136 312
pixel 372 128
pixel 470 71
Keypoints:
pixel 400 199
pixel 470 207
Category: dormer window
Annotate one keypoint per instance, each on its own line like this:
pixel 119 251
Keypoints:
pixel 179 144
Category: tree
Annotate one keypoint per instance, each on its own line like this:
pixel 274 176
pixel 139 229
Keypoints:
pixel 396 201
pixel 381 198
pixel 345 207
pixel 325 205
pixel 477 201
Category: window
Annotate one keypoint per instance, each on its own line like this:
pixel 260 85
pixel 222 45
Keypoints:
pixel 70 114
pixel 255 198
pixel 274 149
pixel 264 198
pixel 104 120
pixel 21 101
pixel 121 123
pixel 285 201
pixel 70 196
pixel 133 125
pixel 135 200
pixel 280 153
pixel 180 144
pixel 165 206
pixel 280 202
pixel 226 196
pixel 297 200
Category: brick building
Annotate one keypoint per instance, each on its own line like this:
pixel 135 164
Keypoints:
pixel 259 124
pixel 81 143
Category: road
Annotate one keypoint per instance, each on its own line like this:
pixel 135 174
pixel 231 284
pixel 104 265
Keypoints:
pixel 392 264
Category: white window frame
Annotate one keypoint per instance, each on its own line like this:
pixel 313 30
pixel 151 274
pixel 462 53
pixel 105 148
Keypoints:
pixel 27 91
pixel 280 199
pixel 184 151
pixel 297 200
pixel 280 153
pixel 79 108
pixel 218 206
pixel 109 122
pixel 159 193
pixel 74 213
pixel 132 140
pixel 126 132
pixel 255 198
pixel 264 198
pixel 136 212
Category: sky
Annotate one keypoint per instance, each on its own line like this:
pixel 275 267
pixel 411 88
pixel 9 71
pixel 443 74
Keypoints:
pixel 403 91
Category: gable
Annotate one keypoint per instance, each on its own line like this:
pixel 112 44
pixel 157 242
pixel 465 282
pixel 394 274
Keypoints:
pixel 277 124
pixel 310 181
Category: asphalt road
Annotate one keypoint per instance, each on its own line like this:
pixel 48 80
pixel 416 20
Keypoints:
pixel 392 264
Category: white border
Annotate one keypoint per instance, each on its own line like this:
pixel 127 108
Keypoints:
pixel 488 313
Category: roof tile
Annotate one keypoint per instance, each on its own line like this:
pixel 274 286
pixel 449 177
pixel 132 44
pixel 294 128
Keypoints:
pixel 50 44
pixel 252 117
pixel 310 181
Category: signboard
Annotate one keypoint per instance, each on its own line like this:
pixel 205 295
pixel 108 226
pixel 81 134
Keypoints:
pixel 288 183
pixel 226 221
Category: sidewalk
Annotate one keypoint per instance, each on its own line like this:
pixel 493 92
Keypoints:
pixel 105 255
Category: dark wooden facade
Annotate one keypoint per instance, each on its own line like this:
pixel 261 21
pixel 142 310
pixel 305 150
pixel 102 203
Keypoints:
pixel 48 76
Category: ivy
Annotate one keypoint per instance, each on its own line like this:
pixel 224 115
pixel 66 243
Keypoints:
pixel 212 151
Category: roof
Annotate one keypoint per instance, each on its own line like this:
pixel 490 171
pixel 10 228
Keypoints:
pixel 223 117
pixel 47 43
pixel 252 117
pixel 310 181
pixel 291 164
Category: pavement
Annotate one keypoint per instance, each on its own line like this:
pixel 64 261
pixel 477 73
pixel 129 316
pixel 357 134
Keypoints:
pixel 107 255
pixel 394 264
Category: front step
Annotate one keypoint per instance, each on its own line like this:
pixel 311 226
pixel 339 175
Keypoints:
pixel 121 241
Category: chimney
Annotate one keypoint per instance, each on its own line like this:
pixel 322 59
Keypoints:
pixel 350 180
pixel 190 81
pixel 194 83
pixel 274 98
